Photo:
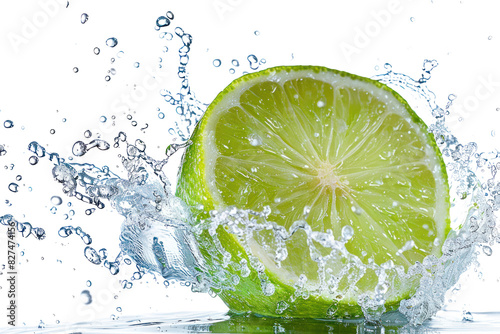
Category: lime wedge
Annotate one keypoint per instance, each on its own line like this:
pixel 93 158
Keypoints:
pixel 343 153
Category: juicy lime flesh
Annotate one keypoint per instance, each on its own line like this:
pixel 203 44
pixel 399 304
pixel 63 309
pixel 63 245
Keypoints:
pixel 336 153
pixel 327 147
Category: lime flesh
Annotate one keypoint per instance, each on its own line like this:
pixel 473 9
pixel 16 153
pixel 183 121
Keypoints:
pixel 345 154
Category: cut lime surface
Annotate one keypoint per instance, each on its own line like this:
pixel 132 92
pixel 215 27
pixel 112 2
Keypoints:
pixel 343 153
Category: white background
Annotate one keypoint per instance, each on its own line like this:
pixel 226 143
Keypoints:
pixel 42 41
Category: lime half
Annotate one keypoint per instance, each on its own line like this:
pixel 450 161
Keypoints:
pixel 342 153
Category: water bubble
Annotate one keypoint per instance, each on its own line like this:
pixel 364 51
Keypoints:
pixel 119 309
pixel 33 160
pixel 493 133
pixel 86 297
pixel 112 71
pixel 52 131
pixel 75 69
pixel 112 42
pixel 8 124
pixel 161 115
pixel 97 50
pixel 112 60
pixel 13 187
pixel 231 70
pixel 170 15
pixel 490 38
pixel 87 134
pixel 107 78
pixel 216 62
pixel 89 283
pixel 137 64
pixel 412 19
pixel 162 21
pixel 3 151
pixel 256 33
pixel 103 119
pixel 84 18
pixel 19 178
pixel 235 62
pixel 56 200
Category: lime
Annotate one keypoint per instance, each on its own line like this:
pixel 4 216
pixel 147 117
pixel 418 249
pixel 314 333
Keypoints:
pixel 342 155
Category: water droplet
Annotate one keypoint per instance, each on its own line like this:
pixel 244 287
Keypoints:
pixel 119 309
pixel 216 62
pixel 231 70
pixel 320 104
pixel 75 69
pixel 13 187
pixel 87 134
pixel 19 178
pixel 8 124
pixel 112 42
pixel 170 15
pixel 161 115
pixel 490 38
pixel 487 250
pixel 89 283
pixel 97 50
pixel 52 131
pixel 347 232
pixel 254 140
pixel 84 18
pixel 86 297
pixel 254 62
pixel 107 78
pixel 493 133
pixel 88 212
pixel 56 200
pixel 33 160
pixel 92 255
pixel 256 33
pixel 79 149
pixel 3 151
pixel 235 62
pixel 412 19
pixel 137 64
pixel 281 307
pixel 162 21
